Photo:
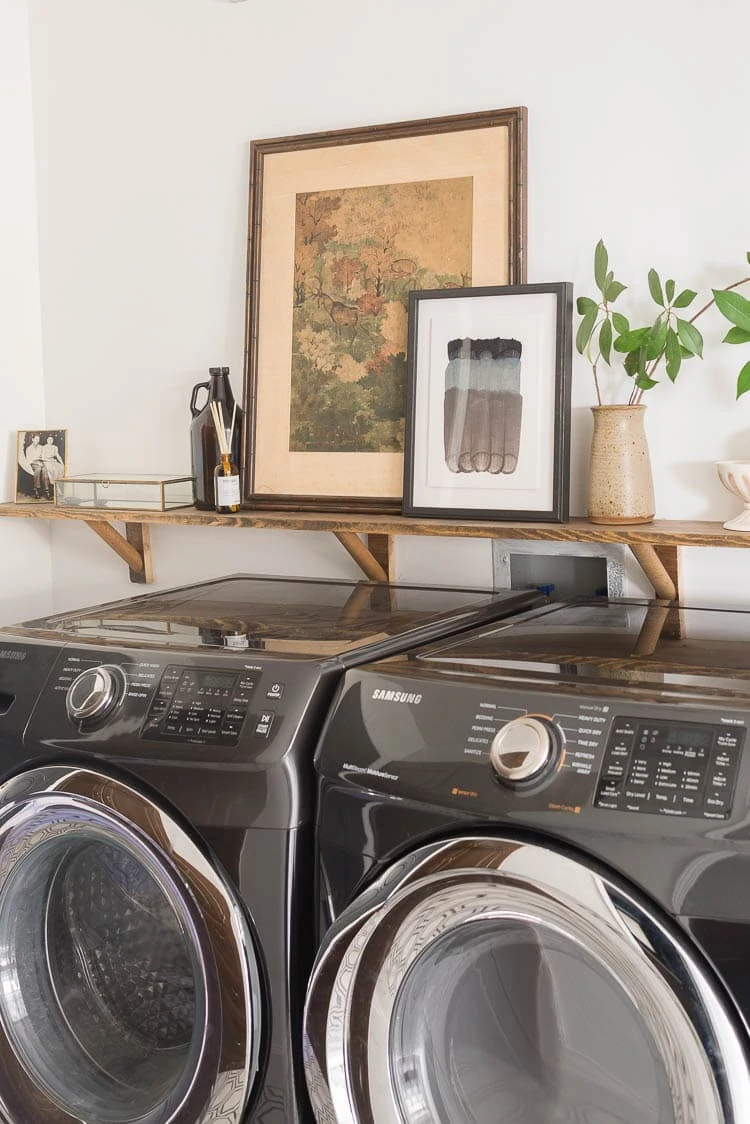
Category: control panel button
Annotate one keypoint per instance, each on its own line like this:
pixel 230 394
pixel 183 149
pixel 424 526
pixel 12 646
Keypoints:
pixel 264 723
pixel 524 749
pixel 95 693
pixel 275 691
pixel 674 768
pixel 199 703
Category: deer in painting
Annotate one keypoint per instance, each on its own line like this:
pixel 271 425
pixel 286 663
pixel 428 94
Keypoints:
pixel 342 315
pixel 404 269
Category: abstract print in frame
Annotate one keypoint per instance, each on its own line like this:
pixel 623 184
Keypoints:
pixel 488 403
pixel 343 227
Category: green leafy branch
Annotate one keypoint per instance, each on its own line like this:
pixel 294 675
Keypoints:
pixel 736 309
pixel 669 337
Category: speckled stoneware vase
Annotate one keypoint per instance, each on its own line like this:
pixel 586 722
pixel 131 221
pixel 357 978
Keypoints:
pixel 621 489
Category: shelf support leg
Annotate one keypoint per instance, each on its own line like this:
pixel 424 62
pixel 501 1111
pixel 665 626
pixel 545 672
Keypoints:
pixel 139 537
pixel 366 561
pixel 134 547
pixel 659 564
pixel 381 548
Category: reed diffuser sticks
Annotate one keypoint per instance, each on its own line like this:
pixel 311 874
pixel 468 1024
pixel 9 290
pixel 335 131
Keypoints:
pixel 225 443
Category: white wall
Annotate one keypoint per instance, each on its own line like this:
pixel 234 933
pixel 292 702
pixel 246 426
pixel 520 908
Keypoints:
pixel 25 559
pixel 143 113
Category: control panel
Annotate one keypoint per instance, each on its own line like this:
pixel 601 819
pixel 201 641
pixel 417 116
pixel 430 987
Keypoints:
pixel 205 703
pixel 677 769
pixel 108 696
pixel 498 750
pixel 553 733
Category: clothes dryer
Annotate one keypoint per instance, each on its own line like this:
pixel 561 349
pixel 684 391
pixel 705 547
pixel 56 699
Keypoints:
pixel 534 872
pixel 156 841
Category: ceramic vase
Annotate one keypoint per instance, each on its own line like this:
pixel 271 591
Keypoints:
pixel 735 476
pixel 621 488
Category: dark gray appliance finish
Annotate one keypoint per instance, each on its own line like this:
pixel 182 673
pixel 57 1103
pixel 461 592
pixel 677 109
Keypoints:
pixel 156 841
pixel 543 834
pixel 292 618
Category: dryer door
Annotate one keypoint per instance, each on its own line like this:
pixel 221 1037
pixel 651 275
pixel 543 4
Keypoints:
pixel 485 979
pixel 129 981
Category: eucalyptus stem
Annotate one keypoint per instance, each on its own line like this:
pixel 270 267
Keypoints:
pixel 596 386
pixel 728 289
pixel 594 362
pixel 635 401
pixel 596 379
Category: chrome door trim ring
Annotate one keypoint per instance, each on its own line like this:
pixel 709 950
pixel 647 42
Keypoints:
pixel 546 885
pixel 227 950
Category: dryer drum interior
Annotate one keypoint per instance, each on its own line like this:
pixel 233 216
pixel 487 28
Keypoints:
pixel 109 978
pixel 488 979
pixel 110 993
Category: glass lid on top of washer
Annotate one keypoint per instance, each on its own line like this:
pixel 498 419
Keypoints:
pixel 635 642
pixel 291 617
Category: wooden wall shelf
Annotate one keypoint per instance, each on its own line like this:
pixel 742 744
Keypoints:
pixel 654 545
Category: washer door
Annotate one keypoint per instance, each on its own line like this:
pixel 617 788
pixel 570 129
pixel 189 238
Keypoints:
pixel 485 979
pixel 129 984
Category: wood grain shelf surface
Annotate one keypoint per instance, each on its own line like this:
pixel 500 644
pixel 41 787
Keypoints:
pixel 654 545
pixel 662 532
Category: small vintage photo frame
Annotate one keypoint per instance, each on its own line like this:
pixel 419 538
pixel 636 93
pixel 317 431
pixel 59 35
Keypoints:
pixel 342 226
pixel 41 459
pixel 488 403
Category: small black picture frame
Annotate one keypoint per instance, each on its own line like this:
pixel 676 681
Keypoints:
pixel 488 403
pixel 41 460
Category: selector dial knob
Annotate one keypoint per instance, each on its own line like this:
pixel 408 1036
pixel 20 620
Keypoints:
pixel 525 748
pixel 94 693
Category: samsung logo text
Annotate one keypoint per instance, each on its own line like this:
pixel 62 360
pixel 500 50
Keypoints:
pixel 397 696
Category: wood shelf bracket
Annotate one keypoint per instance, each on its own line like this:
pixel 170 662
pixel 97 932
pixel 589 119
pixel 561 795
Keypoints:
pixel 659 564
pixel 134 547
pixel 363 555
pixel 381 548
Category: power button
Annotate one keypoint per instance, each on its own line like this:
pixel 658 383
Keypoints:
pixel 275 691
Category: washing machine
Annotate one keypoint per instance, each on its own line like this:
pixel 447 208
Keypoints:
pixel 534 876
pixel 156 859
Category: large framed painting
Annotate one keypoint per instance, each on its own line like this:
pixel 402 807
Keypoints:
pixel 488 403
pixel 343 226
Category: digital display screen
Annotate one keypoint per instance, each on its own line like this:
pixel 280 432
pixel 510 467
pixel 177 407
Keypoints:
pixel 691 737
pixel 214 679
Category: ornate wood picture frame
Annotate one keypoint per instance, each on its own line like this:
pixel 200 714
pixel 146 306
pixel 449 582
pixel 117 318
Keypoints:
pixel 342 227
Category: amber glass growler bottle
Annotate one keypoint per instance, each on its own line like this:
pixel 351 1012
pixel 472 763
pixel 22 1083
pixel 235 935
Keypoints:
pixel 204 448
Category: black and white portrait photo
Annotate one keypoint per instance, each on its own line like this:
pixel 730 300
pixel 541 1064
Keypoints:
pixel 41 460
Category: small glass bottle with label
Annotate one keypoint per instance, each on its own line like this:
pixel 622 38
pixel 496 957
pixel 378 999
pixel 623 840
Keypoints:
pixel 227 486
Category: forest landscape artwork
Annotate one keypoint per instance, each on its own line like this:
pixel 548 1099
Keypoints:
pixel 358 254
